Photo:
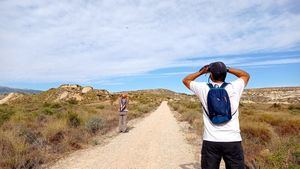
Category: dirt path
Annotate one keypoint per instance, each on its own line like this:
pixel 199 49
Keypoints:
pixel 156 142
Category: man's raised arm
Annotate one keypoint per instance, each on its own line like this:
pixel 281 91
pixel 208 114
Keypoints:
pixel 240 74
pixel 187 80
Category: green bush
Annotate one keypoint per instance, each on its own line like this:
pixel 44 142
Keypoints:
pixel 276 106
pixel 100 107
pixel 144 108
pixel 72 101
pixel 46 104
pixel 5 114
pixel 48 111
pixel 55 105
pixel 295 109
pixel 73 119
pixel 52 105
pixel 282 157
pixel 94 124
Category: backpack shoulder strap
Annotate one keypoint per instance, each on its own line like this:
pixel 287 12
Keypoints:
pixel 210 85
pixel 205 111
pixel 224 85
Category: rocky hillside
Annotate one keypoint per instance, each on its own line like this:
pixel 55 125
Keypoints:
pixel 64 93
pixel 272 95
pixel 77 93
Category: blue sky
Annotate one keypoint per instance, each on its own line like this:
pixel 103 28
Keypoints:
pixel 130 44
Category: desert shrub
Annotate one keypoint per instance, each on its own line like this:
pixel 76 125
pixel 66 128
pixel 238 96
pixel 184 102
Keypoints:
pixel 52 105
pixel 73 119
pixel 276 106
pixel 283 154
pixel 7 150
pixel 247 112
pixel 192 105
pixel 257 132
pixel 100 107
pixel 143 108
pixel 134 114
pixel 190 116
pixel 288 127
pixel 56 105
pixel 94 124
pixel 271 119
pixel 48 111
pixel 72 101
pixel 46 104
pixel 175 106
pixel 28 135
pixel 18 155
pixel 95 142
pixel 57 137
pixel 54 132
pixel 5 114
pixel 91 110
pixel 190 112
pixel 295 109
pixel 76 137
pixel 295 160
pixel 284 126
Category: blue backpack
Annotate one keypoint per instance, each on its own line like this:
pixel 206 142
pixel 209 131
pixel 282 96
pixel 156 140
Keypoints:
pixel 218 103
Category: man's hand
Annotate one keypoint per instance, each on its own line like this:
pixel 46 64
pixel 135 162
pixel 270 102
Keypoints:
pixel 187 80
pixel 204 69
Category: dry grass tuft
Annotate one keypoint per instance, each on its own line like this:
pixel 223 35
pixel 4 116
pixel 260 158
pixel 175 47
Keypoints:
pixel 259 133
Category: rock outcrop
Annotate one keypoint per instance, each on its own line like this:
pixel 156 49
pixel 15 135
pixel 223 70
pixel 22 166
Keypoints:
pixel 76 92
pixel 86 89
pixel 10 97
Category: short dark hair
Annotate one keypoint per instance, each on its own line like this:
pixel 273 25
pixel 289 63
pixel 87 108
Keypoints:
pixel 218 71
pixel 219 77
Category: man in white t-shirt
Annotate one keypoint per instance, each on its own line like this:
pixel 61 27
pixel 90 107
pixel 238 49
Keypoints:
pixel 220 140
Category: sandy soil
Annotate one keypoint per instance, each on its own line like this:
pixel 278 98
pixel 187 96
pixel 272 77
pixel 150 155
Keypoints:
pixel 156 142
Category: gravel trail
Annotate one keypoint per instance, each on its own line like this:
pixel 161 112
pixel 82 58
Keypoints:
pixel 156 142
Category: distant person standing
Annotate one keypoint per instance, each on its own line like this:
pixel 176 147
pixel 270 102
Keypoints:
pixel 220 102
pixel 123 105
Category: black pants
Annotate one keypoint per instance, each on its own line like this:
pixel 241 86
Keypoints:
pixel 213 152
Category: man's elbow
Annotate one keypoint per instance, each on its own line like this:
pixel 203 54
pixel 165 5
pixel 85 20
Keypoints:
pixel 247 76
pixel 186 83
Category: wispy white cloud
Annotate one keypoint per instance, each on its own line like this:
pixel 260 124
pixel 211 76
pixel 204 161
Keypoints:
pixel 86 41
pixel 272 62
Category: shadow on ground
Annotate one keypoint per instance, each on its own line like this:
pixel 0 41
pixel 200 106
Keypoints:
pixel 190 166
pixel 128 129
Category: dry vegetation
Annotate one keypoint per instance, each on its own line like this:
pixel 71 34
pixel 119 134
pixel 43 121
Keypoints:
pixel 270 132
pixel 36 129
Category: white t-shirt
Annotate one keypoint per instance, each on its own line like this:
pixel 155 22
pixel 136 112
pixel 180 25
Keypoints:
pixel 229 131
